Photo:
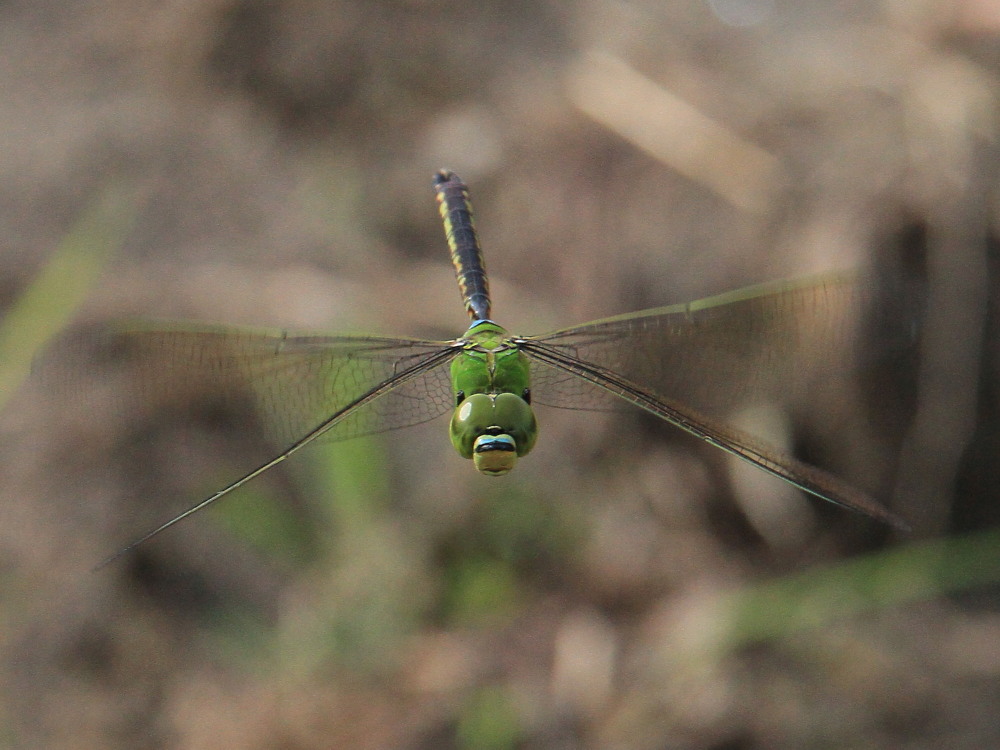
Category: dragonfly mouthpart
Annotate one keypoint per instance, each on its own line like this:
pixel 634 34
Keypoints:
pixel 494 454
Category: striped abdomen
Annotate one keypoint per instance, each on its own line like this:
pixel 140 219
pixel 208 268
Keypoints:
pixel 459 230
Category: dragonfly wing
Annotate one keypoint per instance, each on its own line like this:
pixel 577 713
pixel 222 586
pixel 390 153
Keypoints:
pixel 761 344
pixel 692 364
pixel 304 387
pixel 293 382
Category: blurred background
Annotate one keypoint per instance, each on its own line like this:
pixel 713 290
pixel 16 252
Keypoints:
pixel 268 163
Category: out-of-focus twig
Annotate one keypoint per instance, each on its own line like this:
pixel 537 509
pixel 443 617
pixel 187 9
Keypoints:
pixel 670 129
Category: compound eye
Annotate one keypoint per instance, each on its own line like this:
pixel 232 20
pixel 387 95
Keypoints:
pixel 472 417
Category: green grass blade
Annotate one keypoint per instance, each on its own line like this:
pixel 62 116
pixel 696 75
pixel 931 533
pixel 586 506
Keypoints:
pixel 49 302
pixel 913 573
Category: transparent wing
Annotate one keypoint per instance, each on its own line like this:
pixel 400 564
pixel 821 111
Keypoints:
pixel 760 344
pixel 293 382
pixel 694 363
pixel 303 387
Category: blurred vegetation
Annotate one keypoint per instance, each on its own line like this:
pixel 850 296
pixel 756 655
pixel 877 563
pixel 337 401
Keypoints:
pixel 624 587
pixel 910 573
pixel 49 302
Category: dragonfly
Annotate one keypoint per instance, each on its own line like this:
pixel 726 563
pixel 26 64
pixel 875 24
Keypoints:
pixel 689 364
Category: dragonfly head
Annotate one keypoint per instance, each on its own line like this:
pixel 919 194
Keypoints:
pixel 493 429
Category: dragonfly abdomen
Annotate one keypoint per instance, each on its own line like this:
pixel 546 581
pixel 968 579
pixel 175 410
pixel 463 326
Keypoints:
pixel 466 254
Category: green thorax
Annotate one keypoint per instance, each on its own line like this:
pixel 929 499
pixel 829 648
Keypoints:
pixel 490 362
